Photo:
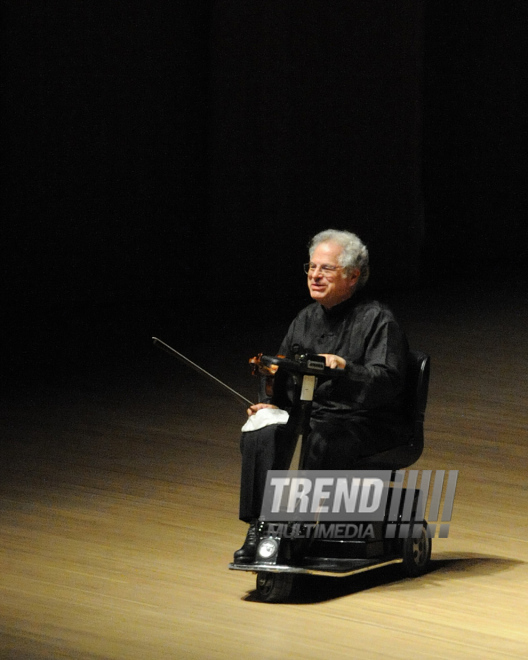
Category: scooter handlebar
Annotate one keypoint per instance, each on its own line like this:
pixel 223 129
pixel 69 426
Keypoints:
pixel 314 365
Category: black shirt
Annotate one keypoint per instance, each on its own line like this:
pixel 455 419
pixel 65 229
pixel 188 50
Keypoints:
pixel 366 334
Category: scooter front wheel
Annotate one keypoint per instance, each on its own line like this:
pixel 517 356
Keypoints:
pixel 274 587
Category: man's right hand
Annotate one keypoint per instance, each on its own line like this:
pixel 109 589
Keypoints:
pixel 258 406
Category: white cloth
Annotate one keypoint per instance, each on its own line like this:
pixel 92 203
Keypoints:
pixel 265 417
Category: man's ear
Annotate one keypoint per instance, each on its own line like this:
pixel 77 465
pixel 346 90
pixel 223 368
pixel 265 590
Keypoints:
pixel 354 277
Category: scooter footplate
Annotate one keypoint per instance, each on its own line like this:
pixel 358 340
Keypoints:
pixel 331 567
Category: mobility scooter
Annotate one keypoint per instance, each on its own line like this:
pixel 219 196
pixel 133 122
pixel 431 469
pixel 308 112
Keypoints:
pixel 287 548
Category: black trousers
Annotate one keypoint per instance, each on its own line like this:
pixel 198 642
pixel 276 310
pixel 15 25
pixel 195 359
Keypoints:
pixel 331 445
pixel 269 448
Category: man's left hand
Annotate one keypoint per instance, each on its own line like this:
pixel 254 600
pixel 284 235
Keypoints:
pixel 334 361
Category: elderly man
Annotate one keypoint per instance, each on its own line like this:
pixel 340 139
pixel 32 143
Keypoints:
pixel 357 414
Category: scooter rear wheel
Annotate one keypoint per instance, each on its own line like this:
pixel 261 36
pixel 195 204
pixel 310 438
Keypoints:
pixel 416 553
pixel 274 587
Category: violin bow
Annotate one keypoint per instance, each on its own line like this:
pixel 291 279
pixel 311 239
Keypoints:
pixel 189 363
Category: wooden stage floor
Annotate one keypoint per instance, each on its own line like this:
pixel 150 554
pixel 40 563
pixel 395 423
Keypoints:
pixel 119 497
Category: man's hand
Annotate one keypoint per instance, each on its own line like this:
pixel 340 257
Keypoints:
pixel 258 406
pixel 334 361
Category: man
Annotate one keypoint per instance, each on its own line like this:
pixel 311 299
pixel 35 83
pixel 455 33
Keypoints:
pixel 356 414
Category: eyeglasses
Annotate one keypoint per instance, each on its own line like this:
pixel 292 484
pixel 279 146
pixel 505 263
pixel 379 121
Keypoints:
pixel 325 269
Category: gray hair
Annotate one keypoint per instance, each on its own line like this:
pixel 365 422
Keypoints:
pixel 354 254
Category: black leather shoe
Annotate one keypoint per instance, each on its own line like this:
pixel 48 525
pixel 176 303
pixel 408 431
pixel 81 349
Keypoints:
pixel 247 552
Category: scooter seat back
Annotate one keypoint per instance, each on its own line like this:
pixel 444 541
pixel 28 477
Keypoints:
pixel 416 393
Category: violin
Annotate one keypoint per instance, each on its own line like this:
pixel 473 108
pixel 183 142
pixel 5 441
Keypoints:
pixel 259 368
pixel 268 371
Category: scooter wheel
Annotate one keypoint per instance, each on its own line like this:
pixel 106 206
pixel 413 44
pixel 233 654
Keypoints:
pixel 416 553
pixel 274 587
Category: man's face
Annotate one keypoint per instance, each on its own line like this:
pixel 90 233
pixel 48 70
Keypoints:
pixel 333 287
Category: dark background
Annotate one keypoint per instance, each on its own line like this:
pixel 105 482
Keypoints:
pixel 167 162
